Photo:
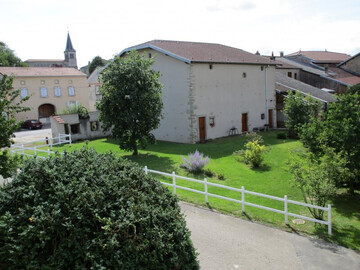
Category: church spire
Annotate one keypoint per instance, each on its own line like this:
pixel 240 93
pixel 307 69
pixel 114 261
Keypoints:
pixel 70 53
pixel 69 46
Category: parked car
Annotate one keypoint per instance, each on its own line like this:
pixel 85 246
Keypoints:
pixel 32 124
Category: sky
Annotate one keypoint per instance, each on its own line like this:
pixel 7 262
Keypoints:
pixel 37 29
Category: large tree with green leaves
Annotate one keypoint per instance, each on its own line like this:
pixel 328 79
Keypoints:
pixel 8 57
pixel 96 62
pixel 131 104
pixel 298 110
pixel 10 105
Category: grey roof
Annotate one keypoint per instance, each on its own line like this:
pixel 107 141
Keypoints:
pixel 94 76
pixel 303 66
pixel 69 46
pixel 285 83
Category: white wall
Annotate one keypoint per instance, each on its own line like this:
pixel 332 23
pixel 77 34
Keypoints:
pixel 175 126
pixel 224 93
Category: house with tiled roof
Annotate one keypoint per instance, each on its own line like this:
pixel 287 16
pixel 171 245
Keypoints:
pixel 351 65
pixel 210 90
pixel 323 69
pixel 51 90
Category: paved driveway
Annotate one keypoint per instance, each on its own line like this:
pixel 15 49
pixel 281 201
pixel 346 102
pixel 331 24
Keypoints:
pixel 32 135
pixel 225 242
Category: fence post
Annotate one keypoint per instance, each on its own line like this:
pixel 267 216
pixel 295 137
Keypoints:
pixel 146 170
pixel 23 150
pixel 206 190
pixel 70 138
pixel 51 142
pixel 329 219
pixel 286 210
pixel 59 140
pixel 174 182
pixel 48 152
pixel 242 199
pixel 34 150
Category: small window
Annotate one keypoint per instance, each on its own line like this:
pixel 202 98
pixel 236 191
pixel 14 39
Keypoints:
pixel 94 126
pixel 71 56
pixel 75 129
pixel 57 91
pixel 97 91
pixel 149 55
pixel 43 92
pixel 263 116
pixel 244 74
pixel 295 76
pixel 290 74
pixel 22 82
pixel 210 66
pixel 56 81
pixel 262 68
pixel 24 92
pixel 42 82
pixel 71 91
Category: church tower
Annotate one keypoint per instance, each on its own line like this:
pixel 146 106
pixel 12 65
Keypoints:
pixel 70 54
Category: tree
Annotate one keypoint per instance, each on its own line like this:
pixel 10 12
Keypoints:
pixel 8 57
pixel 96 62
pixel 103 213
pixel 340 130
pixel 316 178
pixel 298 111
pixel 131 101
pixel 10 105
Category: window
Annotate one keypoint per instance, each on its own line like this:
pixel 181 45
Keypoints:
pixel 210 66
pixel 71 56
pixel 97 92
pixel 149 55
pixel 94 126
pixel 24 92
pixel 72 103
pixel 57 91
pixel 262 68
pixel 289 74
pixel 43 92
pixel 244 74
pixel 71 91
pixel 75 129
pixel 295 76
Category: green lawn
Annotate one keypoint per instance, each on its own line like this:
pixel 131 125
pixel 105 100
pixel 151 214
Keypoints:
pixel 272 179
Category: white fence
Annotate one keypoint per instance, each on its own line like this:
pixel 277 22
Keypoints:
pixel 243 203
pixel 34 146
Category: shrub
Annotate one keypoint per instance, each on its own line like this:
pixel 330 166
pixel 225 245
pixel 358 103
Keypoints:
pixel 253 136
pixel 8 164
pixel 209 173
pixel 221 176
pixel 196 162
pixel 281 136
pixel 84 210
pixel 253 153
pixel 80 109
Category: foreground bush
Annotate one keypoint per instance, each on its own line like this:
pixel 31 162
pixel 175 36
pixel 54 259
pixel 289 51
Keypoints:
pixel 86 210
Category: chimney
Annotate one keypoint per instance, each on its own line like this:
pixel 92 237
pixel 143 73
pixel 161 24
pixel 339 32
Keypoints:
pixel 281 54
pixel 257 53
pixel 326 68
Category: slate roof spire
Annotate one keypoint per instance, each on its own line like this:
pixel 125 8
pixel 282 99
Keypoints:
pixel 69 46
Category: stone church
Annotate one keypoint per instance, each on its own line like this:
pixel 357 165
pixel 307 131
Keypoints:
pixel 69 61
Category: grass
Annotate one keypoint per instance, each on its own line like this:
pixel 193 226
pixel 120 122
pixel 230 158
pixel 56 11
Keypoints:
pixel 272 179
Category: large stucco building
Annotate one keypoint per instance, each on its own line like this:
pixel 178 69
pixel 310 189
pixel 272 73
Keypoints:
pixel 210 90
pixel 51 90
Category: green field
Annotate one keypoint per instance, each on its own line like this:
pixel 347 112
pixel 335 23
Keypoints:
pixel 272 179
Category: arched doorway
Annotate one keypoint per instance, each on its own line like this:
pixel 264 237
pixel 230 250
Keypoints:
pixel 46 110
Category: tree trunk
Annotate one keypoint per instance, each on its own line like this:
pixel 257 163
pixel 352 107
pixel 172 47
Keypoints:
pixel 134 145
pixel 352 186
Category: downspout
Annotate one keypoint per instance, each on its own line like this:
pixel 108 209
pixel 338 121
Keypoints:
pixel 266 103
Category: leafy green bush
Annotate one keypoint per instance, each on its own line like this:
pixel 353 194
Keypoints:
pixel 253 136
pixel 84 210
pixel 8 164
pixel 80 109
pixel 253 153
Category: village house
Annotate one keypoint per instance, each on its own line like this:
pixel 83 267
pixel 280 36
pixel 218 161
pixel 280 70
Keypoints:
pixel 51 90
pixel 211 90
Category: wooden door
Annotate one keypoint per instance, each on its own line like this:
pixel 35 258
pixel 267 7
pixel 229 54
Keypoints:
pixel 244 122
pixel 270 118
pixel 202 128
pixel 46 110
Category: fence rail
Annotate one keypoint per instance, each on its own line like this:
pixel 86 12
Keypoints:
pixel 243 203
pixel 20 148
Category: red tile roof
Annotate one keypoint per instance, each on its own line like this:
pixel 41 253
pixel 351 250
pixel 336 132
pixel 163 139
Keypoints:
pixel 58 119
pixel 343 76
pixel 322 56
pixel 41 71
pixel 202 52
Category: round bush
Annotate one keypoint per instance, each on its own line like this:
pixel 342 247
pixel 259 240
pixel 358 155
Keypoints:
pixel 84 210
